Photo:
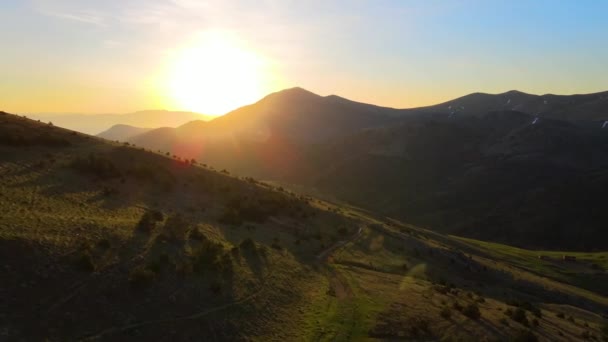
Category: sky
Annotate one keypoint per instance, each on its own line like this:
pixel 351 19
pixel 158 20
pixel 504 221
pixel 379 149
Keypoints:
pixel 82 56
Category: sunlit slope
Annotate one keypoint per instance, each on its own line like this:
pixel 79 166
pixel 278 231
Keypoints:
pixel 165 249
pixel 397 281
pixel 160 247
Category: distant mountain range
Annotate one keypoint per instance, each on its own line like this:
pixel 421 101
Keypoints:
pixel 122 132
pixel 587 107
pixel 512 167
pixel 96 123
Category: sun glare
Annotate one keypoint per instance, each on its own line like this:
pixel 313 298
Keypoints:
pixel 215 74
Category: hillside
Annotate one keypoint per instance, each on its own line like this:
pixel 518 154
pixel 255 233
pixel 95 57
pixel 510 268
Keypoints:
pixel 167 249
pixel 264 139
pixel 472 166
pixel 295 113
pixel 581 107
pixel 496 177
pixel 97 123
pixel 122 132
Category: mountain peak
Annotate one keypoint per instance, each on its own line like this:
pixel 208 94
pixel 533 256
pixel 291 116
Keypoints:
pixel 514 92
pixel 292 93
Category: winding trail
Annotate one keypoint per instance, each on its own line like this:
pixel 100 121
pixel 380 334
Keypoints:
pixel 327 252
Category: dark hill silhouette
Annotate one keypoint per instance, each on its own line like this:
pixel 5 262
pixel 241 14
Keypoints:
pixel 478 168
pixel 96 123
pixel 295 113
pixel 589 107
pixel 122 132
pixel 496 177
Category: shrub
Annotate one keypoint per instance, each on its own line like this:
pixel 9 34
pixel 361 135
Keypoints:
pixel 84 262
pixel 141 277
pixel 604 331
pixel 209 257
pixel 445 313
pixel 247 244
pixel 276 246
pixel 104 244
pixel 176 227
pixel 560 315
pixel 520 316
pixel 197 235
pixel 148 220
pixel 215 287
pixel 525 336
pixel 472 311
pixel 439 288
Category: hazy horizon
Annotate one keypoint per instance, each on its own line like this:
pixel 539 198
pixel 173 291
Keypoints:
pixel 332 94
pixel 211 57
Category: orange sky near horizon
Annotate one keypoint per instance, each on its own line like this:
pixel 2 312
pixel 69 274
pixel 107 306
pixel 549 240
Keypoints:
pixel 71 56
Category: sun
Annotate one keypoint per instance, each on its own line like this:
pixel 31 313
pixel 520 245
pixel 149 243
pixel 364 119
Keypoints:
pixel 215 74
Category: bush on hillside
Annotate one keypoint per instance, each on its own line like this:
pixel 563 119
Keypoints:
pixel 84 262
pixel 141 277
pixel 147 223
pixel 519 315
pixel 471 311
pixel 604 331
pixel 525 336
pixel 247 245
pixel 176 227
pixel 445 313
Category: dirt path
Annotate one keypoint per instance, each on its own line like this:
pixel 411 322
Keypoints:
pixel 327 252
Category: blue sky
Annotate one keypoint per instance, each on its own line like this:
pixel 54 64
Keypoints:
pixel 108 56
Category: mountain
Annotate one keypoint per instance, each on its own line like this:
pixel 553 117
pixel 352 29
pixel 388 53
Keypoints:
pixel 421 164
pixel 96 123
pixel 170 250
pixel 264 139
pixel 584 107
pixel 295 113
pixel 501 176
pixel 122 132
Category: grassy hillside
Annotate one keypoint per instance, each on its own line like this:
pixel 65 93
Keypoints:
pixel 497 177
pixel 105 241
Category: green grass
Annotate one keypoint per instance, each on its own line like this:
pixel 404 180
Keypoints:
pixel 580 273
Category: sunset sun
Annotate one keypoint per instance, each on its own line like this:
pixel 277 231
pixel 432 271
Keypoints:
pixel 215 74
